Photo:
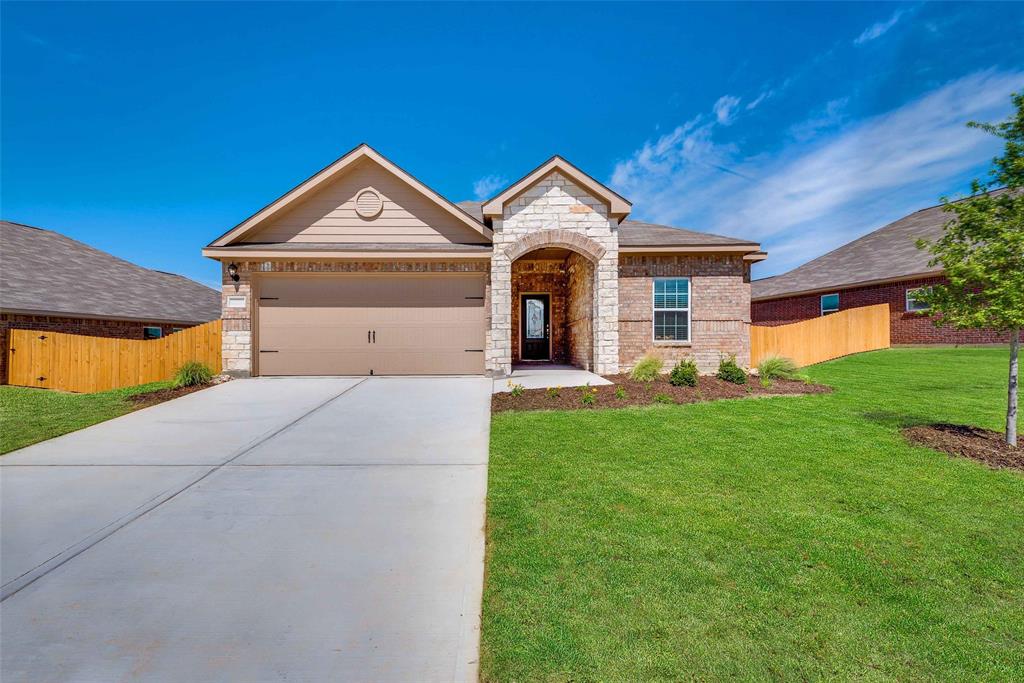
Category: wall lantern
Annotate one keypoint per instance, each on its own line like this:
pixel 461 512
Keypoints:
pixel 233 272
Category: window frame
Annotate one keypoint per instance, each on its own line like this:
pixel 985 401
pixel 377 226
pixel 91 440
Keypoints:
pixel 821 305
pixel 906 300
pixel 159 330
pixel 687 310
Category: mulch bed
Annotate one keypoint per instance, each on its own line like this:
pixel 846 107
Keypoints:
pixel 963 441
pixel 153 397
pixel 644 393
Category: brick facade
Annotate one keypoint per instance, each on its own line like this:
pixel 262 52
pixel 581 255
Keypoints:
pixel 545 276
pixel 719 309
pixel 905 327
pixel 120 329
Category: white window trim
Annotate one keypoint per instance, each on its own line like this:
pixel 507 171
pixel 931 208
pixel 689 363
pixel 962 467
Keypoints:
pixel 906 302
pixel 821 304
pixel 654 311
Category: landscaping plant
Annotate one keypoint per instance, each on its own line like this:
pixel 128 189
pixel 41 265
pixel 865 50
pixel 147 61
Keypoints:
pixel 777 367
pixel 647 368
pixel 620 393
pixel 515 389
pixel 554 392
pixel 663 398
pixel 730 372
pixel 982 253
pixel 191 374
pixel 588 395
pixel 684 374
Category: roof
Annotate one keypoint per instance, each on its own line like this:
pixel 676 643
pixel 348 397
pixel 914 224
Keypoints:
pixel 640 234
pixel 889 253
pixel 47 273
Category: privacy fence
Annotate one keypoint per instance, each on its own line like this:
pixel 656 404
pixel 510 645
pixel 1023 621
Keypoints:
pixel 73 362
pixel 820 339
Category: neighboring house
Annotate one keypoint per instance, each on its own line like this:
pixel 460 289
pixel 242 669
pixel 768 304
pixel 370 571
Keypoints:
pixel 884 266
pixel 363 269
pixel 53 283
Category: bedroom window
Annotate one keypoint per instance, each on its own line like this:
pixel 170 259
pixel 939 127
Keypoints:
pixel 672 309
pixel 913 303
pixel 829 303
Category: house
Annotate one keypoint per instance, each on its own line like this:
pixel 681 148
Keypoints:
pixel 884 266
pixel 363 269
pixel 53 283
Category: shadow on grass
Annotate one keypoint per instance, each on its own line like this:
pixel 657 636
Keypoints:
pixel 895 419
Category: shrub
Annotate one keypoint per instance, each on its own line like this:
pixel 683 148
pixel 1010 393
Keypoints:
pixel 515 389
pixel 192 374
pixel 684 374
pixel 588 395
pixel 554 392
pixel 663 398
pixel 647 368
pixel 620 393
pixel 730 372
pixel 777 367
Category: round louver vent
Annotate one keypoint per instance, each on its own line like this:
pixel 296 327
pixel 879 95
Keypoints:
pixel 368 204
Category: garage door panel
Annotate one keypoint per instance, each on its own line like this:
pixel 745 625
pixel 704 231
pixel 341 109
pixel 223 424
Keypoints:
pixel 388 324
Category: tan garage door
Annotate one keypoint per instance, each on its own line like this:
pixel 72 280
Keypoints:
pixel 395 324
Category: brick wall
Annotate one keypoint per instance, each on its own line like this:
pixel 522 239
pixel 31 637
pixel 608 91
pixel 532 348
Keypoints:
pixel 121 329
pixel 236 347
pixel 904 327
pixel 719 309
pixel 541 277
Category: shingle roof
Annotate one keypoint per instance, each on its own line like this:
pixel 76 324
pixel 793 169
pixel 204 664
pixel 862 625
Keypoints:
pixel 43 271
pixel 640 234
pixel 357 246
pixel 888 253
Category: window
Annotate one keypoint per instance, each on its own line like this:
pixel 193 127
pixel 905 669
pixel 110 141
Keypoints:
pixel 672 309
pixel 829 303
pixel 915 304
pixel 176 329
pixel 152 333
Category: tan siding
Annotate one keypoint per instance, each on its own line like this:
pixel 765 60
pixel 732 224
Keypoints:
pixel 330 214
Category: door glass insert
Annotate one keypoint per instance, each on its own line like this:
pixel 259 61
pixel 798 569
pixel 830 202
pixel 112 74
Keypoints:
pixel 534 319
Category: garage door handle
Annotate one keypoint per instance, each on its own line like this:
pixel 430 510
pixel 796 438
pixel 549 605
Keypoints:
pixel 367 336
pixel 267 351
pixel 375 336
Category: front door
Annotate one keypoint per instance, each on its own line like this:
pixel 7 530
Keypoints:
pixel 535 326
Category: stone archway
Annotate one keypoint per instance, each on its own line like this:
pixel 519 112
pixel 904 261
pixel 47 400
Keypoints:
pixel 604 297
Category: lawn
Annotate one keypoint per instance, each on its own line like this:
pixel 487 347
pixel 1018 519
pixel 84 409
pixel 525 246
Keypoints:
pixel 788 538
pixel 28 416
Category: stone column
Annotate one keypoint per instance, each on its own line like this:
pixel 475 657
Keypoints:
pixel 499 350
pixel 236 335
pixel 606 314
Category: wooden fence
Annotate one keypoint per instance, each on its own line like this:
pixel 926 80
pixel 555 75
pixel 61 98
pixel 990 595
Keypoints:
pixel 73 362
pixel 820 339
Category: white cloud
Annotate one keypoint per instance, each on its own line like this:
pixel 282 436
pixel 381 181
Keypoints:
pixel 829 116
pixel 488 185
pixel 725 109
pixel 817 193
pixel 753 104
pixel 879 29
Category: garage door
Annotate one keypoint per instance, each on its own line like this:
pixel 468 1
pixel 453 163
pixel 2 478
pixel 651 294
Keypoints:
pixel 404 324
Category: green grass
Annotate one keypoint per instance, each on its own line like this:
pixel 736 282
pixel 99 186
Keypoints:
pixel 780 539
pixel 29 416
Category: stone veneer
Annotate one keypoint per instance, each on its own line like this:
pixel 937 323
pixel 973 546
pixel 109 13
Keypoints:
pixel 237 339
pixel 719 309
pixel 555 212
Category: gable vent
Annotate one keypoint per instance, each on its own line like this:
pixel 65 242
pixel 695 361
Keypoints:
pixel 369 204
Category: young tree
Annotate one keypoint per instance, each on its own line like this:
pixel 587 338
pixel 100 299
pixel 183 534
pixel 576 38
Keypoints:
pixel 982 252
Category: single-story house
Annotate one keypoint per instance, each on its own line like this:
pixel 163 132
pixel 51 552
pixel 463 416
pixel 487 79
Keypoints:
pixel 363 269
pixel 52 283
pixel 884 266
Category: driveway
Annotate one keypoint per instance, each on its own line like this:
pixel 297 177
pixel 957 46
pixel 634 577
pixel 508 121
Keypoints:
pixel 300 529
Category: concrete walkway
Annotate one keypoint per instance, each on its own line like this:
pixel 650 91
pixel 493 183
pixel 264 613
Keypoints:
pixel 548 375
pixel 300 529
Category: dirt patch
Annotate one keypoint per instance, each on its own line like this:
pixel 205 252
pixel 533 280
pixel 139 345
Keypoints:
pixel 153 397
pixel 962 441
pixel 635 393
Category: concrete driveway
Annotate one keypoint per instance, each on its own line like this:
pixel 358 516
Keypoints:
pixel 300 529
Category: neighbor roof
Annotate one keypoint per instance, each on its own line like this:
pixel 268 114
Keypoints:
pixel 640 234
pixel 44 272
pixel 889 253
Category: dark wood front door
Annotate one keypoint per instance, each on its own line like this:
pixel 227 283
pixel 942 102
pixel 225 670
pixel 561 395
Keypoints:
pixel 535 327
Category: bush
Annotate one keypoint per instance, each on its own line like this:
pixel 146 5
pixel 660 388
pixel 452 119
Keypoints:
pixel 516 390
pixel 777 367
pixel 730 372
pixel 620 393
pixel 647 368
pixel 684 374
pixel 192 374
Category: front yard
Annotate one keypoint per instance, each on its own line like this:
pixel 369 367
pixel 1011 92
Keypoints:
pixel 784 538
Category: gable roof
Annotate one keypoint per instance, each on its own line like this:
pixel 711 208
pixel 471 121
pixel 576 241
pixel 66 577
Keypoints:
pixel 336 168
pixel 637 234
pixel 618 206
pixel 889 253
pixel 46 273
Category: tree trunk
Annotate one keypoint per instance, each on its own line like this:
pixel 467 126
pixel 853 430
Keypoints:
pixel 1011 398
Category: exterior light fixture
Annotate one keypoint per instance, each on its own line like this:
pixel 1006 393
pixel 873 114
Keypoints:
pixel 233 272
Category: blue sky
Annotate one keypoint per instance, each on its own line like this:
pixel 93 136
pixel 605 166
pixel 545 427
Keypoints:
pixel 148 129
